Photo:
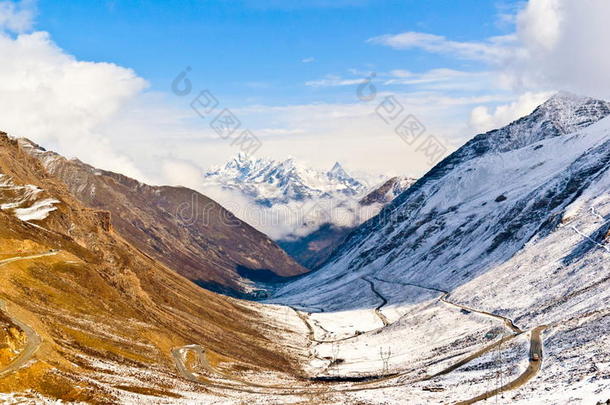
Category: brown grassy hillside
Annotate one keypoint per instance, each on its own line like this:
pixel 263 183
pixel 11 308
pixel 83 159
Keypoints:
pixel 99 299
pixel 181 228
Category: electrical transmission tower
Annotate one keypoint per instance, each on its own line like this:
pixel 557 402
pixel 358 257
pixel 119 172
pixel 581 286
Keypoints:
pixel 335 358
pixel 385 358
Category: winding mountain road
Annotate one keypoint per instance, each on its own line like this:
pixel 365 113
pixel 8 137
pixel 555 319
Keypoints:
pixel 535 364
pixel 384 302
pixel 374 383
pixel 509 322
pixel 180 354
pixel 535 356
pixel 33 339
pixel 33 344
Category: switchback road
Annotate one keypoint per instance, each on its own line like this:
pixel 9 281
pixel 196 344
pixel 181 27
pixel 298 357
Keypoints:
pixel 375 382
pixel 33 339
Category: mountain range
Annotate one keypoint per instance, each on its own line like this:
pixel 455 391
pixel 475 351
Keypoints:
pixel 487 278
pixel 176 226
pixel 318 209
pixel 269 182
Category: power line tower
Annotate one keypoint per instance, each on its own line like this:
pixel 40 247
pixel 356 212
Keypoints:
pixel 334 359
pixel 385 358
pixel 500 372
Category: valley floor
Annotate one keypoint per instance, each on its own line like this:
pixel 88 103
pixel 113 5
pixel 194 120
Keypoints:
pixel 396 342
pixel 434 350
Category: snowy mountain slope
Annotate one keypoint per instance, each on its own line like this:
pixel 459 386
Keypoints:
pixel 387 191
pixel 482 204
pixel 515 223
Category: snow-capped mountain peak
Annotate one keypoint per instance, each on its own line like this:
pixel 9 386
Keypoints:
pixel 337 170
pixel 562 114
pixel 339 174
pixel 570 112
pixel 271 182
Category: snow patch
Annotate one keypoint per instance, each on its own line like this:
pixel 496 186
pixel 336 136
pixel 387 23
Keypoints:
pixel 25 202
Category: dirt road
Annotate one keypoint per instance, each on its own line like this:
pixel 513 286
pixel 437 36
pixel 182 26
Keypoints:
pixel 30 349
pixel 19 258
pixel 509 322
pixel 33 339
pixel 384 302
pixel 533 368
pixel 535 353
pixel 375 382
pixel 180 354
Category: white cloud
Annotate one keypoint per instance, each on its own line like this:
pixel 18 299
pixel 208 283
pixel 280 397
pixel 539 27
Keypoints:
pixel 563 46
pixel 311 59
pixel 558 44
pixel 183 173
pixel 489 50
pixel 506 13
pixel 483 119
pixel 540 24
pixel 435 79
pixel 333 81
pixel 17 16
pixel 443 79
pixel 60 102
pixel 294 219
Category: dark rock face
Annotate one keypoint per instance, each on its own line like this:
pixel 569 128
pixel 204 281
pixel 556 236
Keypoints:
pixel 105 220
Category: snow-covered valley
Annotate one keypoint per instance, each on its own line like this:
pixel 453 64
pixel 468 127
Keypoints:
pixel 518 229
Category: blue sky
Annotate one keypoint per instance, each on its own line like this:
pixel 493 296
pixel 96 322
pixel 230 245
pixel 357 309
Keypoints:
pixel 91 79
pixel 253 51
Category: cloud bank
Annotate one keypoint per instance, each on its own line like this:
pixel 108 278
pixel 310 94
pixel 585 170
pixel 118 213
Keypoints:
pixel 60 102
pixel 557 45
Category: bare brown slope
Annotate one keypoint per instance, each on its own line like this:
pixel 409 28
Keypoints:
pixel 99 298
pixel 181 228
